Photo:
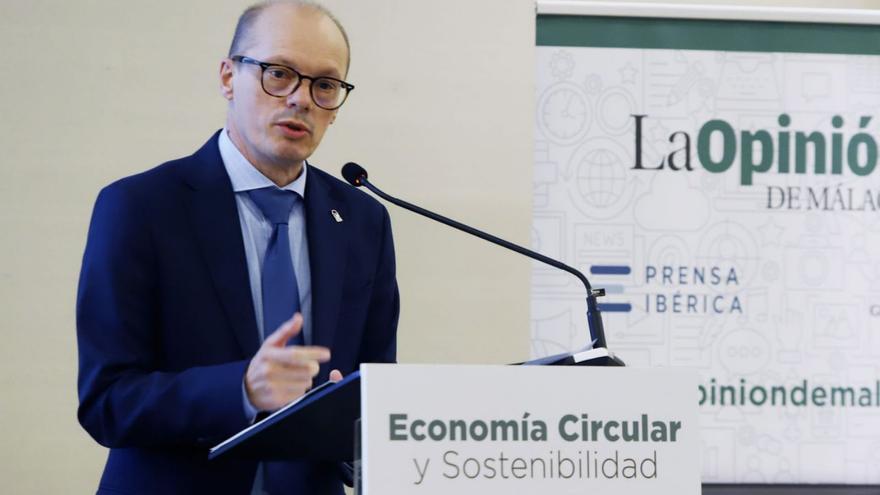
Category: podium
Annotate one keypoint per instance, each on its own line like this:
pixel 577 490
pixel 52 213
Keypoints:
pixel 468 429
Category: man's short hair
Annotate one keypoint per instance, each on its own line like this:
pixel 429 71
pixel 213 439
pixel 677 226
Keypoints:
pixel 250 15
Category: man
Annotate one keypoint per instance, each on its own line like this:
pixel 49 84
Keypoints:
pixel 193 272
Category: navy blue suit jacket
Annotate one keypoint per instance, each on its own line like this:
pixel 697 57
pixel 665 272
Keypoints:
pixel 166 325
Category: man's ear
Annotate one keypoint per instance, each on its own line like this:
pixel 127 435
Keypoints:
pixel 226 73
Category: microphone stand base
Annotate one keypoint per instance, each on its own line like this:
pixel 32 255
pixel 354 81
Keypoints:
pixel 599 356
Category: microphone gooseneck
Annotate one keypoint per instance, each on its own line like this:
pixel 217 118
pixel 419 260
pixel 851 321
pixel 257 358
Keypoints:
pixel 357 176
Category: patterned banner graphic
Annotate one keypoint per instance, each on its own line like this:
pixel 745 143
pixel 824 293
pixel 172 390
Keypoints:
pixel 729 203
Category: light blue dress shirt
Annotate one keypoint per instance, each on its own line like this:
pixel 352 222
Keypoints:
pixel 256 231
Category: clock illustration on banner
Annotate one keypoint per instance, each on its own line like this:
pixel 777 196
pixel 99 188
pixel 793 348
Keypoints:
pixel 564 113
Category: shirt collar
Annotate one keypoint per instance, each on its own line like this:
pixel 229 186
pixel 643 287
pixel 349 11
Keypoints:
pixel 245 177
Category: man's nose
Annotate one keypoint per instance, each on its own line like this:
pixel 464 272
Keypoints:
pixel 301 98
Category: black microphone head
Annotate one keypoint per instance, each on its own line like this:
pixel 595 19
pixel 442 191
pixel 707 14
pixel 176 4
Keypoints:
pixel 353 173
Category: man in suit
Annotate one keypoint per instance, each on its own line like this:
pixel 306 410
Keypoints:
pixel 193 272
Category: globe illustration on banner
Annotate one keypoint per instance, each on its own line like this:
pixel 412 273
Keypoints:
pixel 600 179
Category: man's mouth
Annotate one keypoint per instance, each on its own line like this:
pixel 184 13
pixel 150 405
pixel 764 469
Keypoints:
pixel 293 129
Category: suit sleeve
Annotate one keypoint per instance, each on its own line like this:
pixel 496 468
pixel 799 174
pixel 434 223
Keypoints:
pixel 126 399
pixel 380 339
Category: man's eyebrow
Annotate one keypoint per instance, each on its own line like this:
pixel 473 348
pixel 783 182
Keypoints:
pixel 278 61
pixel 281 60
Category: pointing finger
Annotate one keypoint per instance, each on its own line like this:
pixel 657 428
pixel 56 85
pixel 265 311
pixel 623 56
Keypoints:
pixel 285 332
pixel 299 355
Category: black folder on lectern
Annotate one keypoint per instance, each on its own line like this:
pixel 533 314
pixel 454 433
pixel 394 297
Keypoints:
pixel 319 427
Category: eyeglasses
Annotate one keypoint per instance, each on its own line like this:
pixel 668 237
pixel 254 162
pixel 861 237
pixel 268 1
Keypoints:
pixel 282 81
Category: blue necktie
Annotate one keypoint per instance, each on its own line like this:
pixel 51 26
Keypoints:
pixel 280 292
pixel 280 302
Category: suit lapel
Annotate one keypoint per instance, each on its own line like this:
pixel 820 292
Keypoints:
pixel 214 216
pixel 328 244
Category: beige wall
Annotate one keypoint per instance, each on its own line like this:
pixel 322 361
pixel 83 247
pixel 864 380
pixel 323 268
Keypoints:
pixel 92 91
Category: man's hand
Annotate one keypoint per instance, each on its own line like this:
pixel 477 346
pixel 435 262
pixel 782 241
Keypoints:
pixel 279 374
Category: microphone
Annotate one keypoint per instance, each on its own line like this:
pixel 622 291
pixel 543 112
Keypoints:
pixel 352 173
pixel 356 175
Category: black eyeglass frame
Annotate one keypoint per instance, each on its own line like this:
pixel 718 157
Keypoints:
pixel 265 65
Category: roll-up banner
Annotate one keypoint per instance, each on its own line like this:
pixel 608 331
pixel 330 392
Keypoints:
pixel 715 170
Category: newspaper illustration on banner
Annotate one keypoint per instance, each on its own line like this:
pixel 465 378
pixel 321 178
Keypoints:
pixel 729 203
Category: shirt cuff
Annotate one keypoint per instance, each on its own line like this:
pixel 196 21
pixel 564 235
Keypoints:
pixel 250 412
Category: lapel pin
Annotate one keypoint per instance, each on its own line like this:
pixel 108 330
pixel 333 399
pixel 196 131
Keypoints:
pixel 336 216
